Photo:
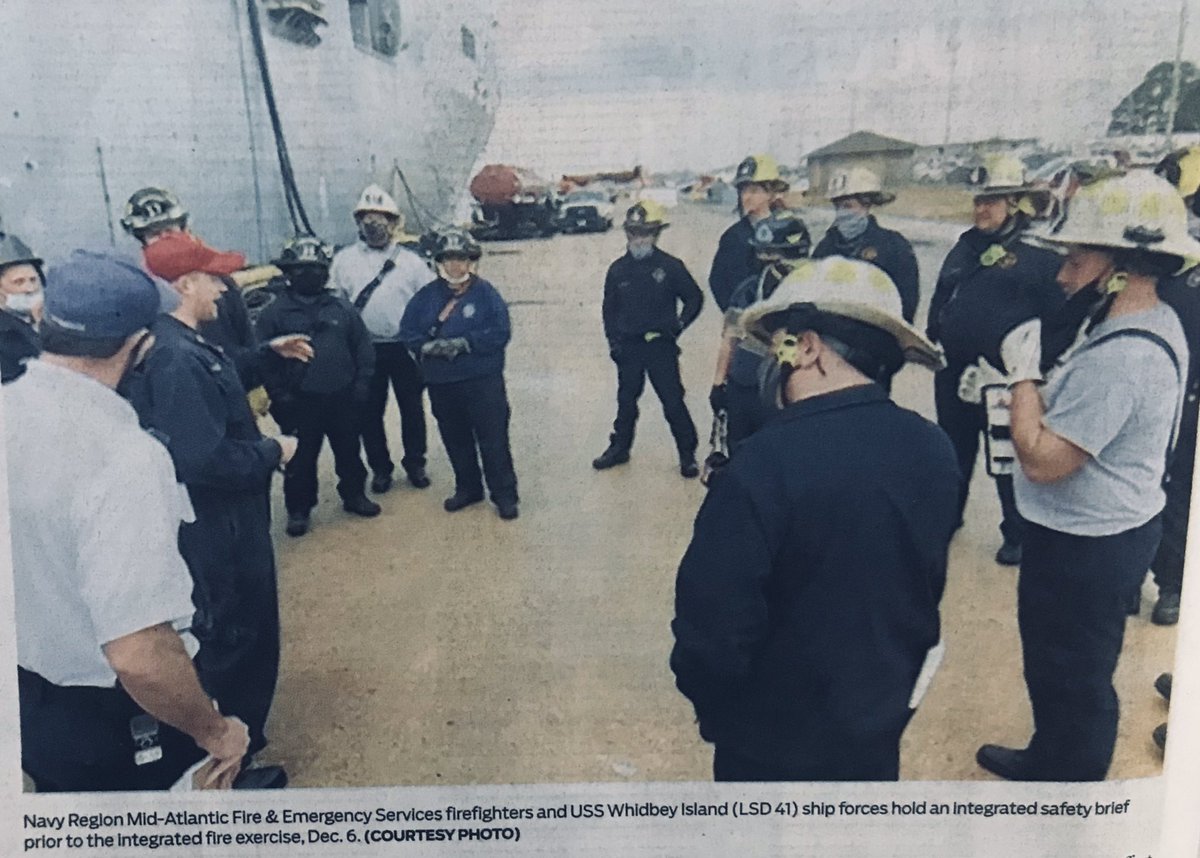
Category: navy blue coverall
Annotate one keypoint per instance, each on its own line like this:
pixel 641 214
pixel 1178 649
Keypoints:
pixel 187 390
pixel 973 307
pixel 808 598
pixel 734 261
pixel 642 320
pixel 467 392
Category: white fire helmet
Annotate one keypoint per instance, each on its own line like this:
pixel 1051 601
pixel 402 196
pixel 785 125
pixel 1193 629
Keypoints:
pixel 376 199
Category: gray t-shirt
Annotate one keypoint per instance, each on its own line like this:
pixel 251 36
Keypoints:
pixel 1118 401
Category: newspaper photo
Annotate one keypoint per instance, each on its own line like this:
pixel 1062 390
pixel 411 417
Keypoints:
pixel 753 428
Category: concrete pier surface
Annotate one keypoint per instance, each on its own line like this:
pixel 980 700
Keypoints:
pixel 423 647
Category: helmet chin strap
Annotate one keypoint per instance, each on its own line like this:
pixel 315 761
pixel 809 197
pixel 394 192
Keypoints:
pixel 453 281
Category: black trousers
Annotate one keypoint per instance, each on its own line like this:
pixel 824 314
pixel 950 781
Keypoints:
pixel 78 739
pixel 1071 601
pixel 1168 561
pixel 313 418
pixel 472 418
pixel 394 366
pixel 963 422
pixel 834 756
pixel 229 552
pixel 659 360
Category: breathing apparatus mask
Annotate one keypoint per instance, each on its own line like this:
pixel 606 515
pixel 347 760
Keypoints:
pixel 308 279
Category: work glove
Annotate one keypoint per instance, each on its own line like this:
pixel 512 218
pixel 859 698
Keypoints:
pixel 718 399
pixel 456 346
pixel 435 348
pixel 1021 352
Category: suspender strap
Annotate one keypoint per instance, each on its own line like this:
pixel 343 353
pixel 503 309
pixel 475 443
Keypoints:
pixel 364 296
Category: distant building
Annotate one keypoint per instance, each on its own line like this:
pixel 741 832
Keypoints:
pixel 888 157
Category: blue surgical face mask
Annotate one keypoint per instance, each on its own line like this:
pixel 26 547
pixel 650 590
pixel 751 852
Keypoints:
pixel 851 224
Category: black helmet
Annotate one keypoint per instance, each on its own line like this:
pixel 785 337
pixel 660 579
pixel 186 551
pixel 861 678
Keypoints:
pixel 456 242
pixel 304 250
pixel 150 208
pixel 13 251
pixel 783 233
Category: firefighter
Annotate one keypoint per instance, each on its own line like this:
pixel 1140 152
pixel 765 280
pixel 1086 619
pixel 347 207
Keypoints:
pixel 324 397
pixel 1182 293
pixel 1093 444
pixel 21 281
pixel 780 242
pixel 760 190
pixel 643 291
pixel 458 325
pixel 379 276
pixel 188 391
pixel 806 606
pixel 990 282
pixel 856 234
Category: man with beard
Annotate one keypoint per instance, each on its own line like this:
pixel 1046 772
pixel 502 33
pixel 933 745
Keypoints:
pixel 20 306
pixel 379 276
pixel 991 282
pixel 189 393
pixel 856 234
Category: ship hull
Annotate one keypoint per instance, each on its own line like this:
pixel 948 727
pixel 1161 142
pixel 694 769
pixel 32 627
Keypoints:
pixel 170 94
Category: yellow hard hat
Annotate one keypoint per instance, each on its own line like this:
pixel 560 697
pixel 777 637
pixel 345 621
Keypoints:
pixel 843 287
pixel 1136 211
pixel 760 170
pixel 646 215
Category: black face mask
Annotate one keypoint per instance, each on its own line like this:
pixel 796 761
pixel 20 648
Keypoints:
pixel 308 280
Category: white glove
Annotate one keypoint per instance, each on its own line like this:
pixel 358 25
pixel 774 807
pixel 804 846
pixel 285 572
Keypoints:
pixel 969 388
pixel 1021 352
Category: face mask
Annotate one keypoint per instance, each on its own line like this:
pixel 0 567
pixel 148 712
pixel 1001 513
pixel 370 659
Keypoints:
pixel 375 233
pixel 453 281
pixel 309 280
pixel 851 224
pixel 24 303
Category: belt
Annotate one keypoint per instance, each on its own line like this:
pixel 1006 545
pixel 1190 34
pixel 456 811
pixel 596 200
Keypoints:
pixel 35 688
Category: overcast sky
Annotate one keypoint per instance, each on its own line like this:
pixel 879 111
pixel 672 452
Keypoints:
pixel 589 84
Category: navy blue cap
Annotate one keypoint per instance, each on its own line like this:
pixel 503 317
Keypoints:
pixel 97 296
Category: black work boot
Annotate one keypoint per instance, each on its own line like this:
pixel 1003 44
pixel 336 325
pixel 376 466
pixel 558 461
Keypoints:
pixel 507 509
pixel 417 477
pixel 461 500
pixel 298 523
pixel 361 505
pixel 1166 610
pixel 1012 764
pixel 1160 736
pixel 610 458
pixel 1009 554
pixel 381 483
pixel 1163 685
pixel 688 469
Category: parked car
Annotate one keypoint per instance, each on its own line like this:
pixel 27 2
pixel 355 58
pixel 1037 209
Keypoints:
pixel 586 211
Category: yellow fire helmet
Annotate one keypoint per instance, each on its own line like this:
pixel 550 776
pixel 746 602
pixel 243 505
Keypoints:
pixel 1136 211
pixel 760 170
pixel 646 215
pixel 843 287
pixel 376 199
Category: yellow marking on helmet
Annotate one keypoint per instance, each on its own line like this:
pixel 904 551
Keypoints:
pixel 1152 206
pixel 842 272
pixel 1116 201
pixel 879 281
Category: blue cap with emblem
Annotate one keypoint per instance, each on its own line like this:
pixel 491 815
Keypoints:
pixel 95 296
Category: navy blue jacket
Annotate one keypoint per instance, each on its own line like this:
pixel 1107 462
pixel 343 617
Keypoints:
pixel 343 357
pixel 734 261
pixel 188 390
pixel 480 317
pixel 234 333
pixel 975 304
pixel 643 295
pixel 809 594
pixel 887 250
